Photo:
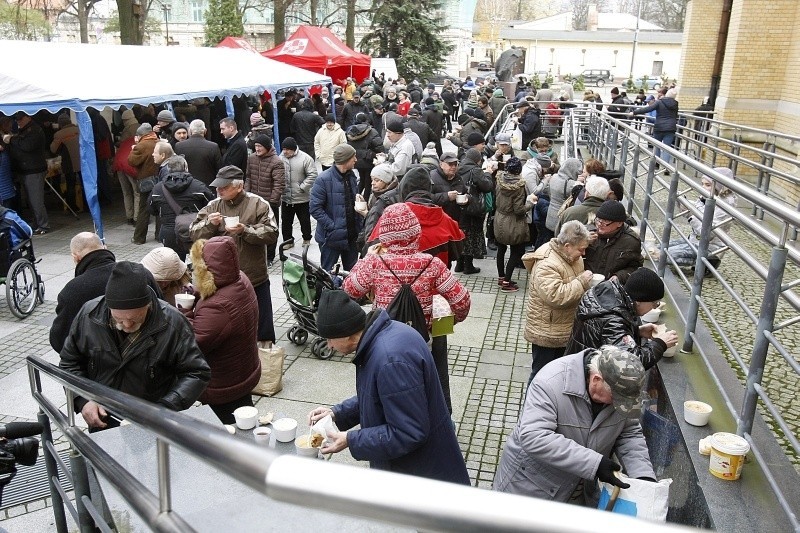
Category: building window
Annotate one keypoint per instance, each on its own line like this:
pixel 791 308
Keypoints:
pixel 198 8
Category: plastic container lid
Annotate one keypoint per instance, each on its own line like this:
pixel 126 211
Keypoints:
pixel 730 444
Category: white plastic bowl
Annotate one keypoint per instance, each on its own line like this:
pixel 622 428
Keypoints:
pixel 284 429
pixel 696 413
pixel 301 447
pixel 652 315
pixel 246 417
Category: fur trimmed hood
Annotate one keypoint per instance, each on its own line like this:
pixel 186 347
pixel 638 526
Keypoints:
pixel 216 264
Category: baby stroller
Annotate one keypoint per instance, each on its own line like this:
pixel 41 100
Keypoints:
pixel 303 283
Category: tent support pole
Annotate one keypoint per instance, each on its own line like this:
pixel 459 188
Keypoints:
pixel 89 169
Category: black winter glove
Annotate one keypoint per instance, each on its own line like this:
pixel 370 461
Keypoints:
pixel 605 472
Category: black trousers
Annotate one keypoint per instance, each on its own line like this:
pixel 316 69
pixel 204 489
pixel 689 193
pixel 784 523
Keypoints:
pixel 271 248
pixel 506 270
pixel 288 213
pixel 224 411
pixel 439 353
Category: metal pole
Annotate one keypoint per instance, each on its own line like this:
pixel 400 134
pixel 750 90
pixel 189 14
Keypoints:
pixel 635 37
pixel 164 494
pixel 766 320
pixel 699 273
pixel 80 482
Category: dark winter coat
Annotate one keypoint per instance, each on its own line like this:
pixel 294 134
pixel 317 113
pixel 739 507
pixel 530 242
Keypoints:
pixel 266 176
pixel 27 149
pixel 460 140
pixel 378 204
pixel 425 133
pixel 91 277
pixel 367 142
pixel 441 185
pixel 405 425
pixel 530 125
pixel 141 156
pixel 666 114
pixel 202 156
pixel 349 112
pixel 327 206
pixel 164 364
pixel 475 180
pixel 376 120
pixel 618 255
pixel 236 154
pixel 617 107
pixel 189 193
pixel 304 126
pixel 434 118
pixel 606 315
pixel 225 321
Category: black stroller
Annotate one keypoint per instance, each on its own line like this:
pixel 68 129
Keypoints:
pixel 303 283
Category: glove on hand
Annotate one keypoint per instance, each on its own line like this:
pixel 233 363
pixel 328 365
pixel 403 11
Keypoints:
pixel 605 472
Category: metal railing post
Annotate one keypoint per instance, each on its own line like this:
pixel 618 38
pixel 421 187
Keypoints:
pixel 164 483
pixel 699 273
pixel 637 152
pixel 669 213
pixel 766 320
pixel 80 482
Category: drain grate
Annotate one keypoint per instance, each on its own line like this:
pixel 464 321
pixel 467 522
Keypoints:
pixel 30 483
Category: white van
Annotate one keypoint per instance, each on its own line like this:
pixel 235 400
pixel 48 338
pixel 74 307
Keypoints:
pixel 385 65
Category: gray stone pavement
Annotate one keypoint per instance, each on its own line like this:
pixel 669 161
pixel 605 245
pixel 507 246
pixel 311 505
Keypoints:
pixel 489 359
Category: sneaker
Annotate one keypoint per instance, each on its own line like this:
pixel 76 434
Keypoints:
pixel 509 286
pixel 134 241
pixel 306 242
pixel 40 231
pixel 500 281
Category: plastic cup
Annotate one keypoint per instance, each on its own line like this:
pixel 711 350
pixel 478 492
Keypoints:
pixel 231 222
pixel 361 206
pixel 596 279
pixel 184 301
pixel 262 435
pixel 246 417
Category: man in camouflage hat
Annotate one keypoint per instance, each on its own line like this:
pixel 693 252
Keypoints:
pixel 578 409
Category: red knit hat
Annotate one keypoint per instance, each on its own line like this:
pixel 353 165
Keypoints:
pixel 399 225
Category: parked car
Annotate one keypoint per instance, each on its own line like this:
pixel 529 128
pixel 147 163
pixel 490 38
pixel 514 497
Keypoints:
pixel 597 77
pixel 485 66
pixel 653 83
pixel 438 79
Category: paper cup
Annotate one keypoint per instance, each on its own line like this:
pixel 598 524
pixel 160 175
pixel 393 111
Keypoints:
pixel 262 435
pixel 246 417
pixel 231 222
pixel 184 301
pixel 462 199
pixel 361 206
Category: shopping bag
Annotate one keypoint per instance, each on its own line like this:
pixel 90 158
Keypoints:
pixel 271 381
pixel 644 499
pixel 516 139
pixel 442 319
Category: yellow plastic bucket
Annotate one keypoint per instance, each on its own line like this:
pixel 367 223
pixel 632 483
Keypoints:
pixel 727 455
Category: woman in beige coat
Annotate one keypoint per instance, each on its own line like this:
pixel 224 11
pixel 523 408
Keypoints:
pixel 557 283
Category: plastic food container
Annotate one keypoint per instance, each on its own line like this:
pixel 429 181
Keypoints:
pixel 302 448
pixel 246 417
pixel 596 280
pixel 727 455
pixel 284 429
pixel 696 413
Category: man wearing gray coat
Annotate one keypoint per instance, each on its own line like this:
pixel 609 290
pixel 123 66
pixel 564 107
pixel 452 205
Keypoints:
pixel 578 410
pixel 300 173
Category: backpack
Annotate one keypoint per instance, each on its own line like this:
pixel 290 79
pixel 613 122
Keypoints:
pixel 405 306
pixel 183 221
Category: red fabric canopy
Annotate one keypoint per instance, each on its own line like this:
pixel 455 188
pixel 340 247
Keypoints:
pixel 236 42
pixel 319 50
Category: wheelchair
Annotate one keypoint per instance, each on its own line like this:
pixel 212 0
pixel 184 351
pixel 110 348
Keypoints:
pixel 24 286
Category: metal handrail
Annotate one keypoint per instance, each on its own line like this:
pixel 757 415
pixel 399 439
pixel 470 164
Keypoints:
pixel 410 501
pixel 611 138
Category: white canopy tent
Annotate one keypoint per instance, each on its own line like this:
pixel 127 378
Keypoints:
pixel 37 76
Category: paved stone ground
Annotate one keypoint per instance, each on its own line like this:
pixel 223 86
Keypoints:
pixel 489 359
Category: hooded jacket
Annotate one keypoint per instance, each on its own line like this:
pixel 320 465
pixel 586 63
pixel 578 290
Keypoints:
pixel 27 150
pixel 399 233
pixel 260 230
pixel 554 291
pixel 300 172
pixel 561 185
pixel 511 208
pixel 666 114
pixel 378 203
pixel 606 315
pixel 265 176
pixel 304 126
pixel 225 321
pixel 405 424
pixel 163 365
pixel 328 208
pixel 557 440
pixel 366 142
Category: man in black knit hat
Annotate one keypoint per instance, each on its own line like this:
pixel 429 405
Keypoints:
pixel 615 249
pixel 405 425
pixel 609 314
pixel 131 341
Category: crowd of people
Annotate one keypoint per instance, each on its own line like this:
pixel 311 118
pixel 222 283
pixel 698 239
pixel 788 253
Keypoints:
pixel 403 215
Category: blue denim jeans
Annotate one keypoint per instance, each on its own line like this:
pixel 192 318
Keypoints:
pixel 668 138
pixel 329 257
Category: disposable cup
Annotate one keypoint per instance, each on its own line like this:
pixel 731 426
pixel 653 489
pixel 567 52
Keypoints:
pixel 596 279
pixel 262 435
pixel 231 222
pixel 361 206
pixel 696 413
pixel 184 300
pixel 462 199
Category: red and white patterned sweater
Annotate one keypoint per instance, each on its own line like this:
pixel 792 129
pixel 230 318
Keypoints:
pixel 371 275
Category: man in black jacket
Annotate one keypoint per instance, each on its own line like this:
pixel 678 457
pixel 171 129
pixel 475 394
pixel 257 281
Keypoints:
pixel 425 133
pixel 202 156
pixel 351 109
pixel 236 154
pixel 447 185
pixel 305 125
pixel 133 342
pixel 27 151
